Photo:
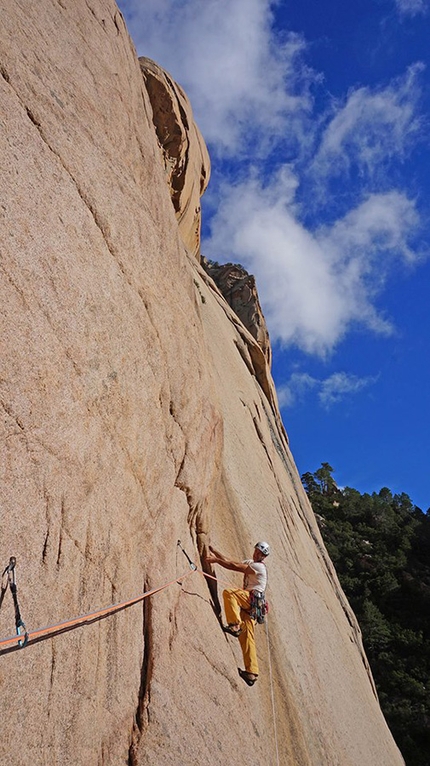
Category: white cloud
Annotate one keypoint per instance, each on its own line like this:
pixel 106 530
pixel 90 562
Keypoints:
pixel 411 7
pixel 251 94
pixel 299 384
pixel 380 224
pixel 372 127
pixel 313 285
pixel 330 391
pixel 339 385
pixel 245 86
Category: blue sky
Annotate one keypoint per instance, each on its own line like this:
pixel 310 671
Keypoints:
pixel 317 119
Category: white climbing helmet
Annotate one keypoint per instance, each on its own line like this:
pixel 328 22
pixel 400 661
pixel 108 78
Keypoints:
pixel 263 547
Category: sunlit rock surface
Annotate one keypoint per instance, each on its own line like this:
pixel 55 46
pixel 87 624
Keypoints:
pixel 138 410
pixel 240 291
pixel 185 156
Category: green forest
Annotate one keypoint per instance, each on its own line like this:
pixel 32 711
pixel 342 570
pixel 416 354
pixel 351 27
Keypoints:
pixel 380 546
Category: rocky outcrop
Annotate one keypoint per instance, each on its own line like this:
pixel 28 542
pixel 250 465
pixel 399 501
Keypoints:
pixel 138 410
pixel 239 289
pixel 185 156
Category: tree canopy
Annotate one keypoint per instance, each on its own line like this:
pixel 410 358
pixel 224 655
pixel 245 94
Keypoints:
pixel 380 546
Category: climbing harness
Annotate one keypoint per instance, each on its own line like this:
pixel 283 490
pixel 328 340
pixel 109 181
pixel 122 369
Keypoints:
pixel 259 606
pixel 8 579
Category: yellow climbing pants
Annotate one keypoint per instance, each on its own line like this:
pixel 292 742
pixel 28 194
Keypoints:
pixel 236 601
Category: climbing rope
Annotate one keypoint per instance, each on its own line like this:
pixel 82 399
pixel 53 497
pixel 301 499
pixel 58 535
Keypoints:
pixel 8 579
pixel 84 618
pixel 272 694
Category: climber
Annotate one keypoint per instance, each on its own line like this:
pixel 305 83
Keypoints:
pixel 238 603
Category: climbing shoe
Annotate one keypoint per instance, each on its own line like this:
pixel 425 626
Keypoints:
pixel 233 631
pixel 249 678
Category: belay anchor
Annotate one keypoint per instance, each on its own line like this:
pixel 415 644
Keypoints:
pixel 8 579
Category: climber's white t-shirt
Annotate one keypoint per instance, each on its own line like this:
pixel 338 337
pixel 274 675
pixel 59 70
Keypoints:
pixel 257 579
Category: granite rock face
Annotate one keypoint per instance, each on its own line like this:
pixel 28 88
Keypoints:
pixel 185 156
pixel 137 410
pixel 240 291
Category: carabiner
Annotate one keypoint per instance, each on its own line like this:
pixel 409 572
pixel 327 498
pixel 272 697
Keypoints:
pixel 21 630
pixel 19 624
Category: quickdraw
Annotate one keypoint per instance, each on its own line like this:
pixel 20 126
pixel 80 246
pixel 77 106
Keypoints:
pixel 8 579
pixel 191 563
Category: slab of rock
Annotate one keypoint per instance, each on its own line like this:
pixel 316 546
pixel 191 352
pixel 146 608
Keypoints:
pixel 184 153
pixel 138 410
pixel 240 291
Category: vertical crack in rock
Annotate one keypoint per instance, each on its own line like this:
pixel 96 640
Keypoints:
pixel 170 134
pixel 197 523
pixel 45 547
pixel 60 542
pixel 142 715
pixel 14 417
pixel 53 662
pixel 48 525
pixel 244 353
pixel 4 73
pixel 184 153
pixel 33 119
pixel 263 442
pixel 115 17
pixel 60 537
pixel 279 440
